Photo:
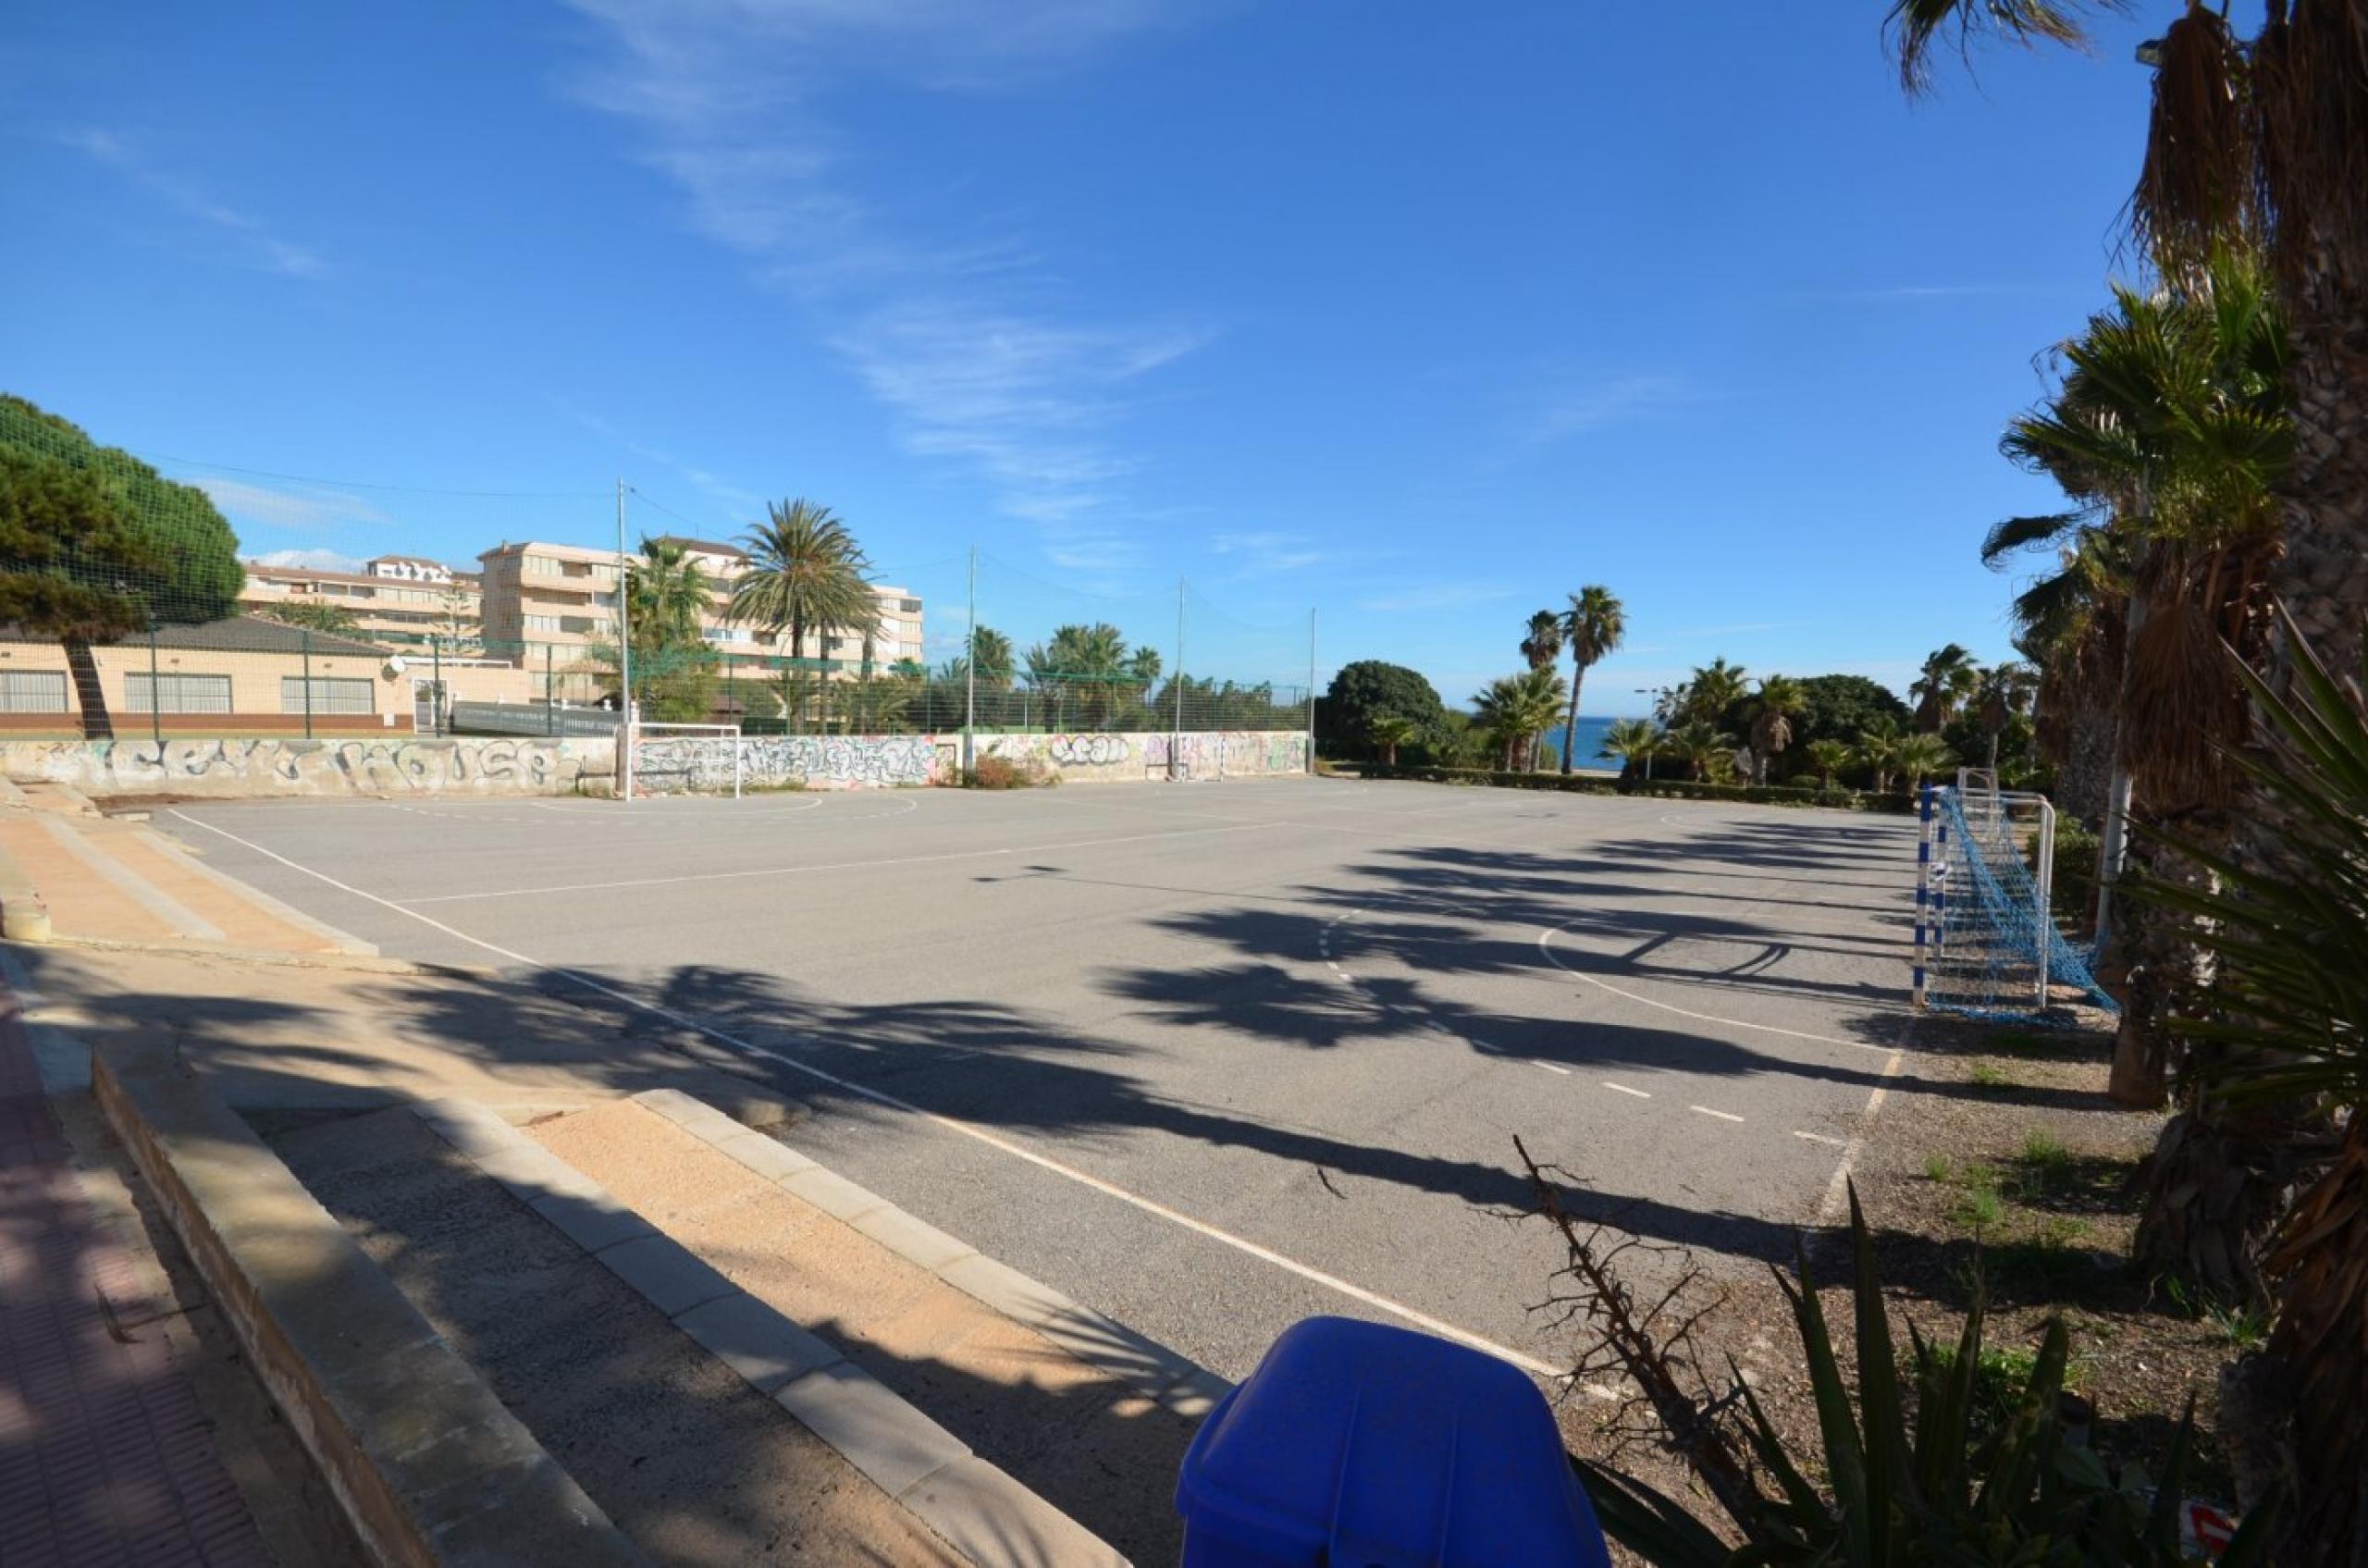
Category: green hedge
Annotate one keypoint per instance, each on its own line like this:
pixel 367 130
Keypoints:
pixel 1659 789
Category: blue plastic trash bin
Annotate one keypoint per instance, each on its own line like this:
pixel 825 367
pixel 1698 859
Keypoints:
pixel 1358 1446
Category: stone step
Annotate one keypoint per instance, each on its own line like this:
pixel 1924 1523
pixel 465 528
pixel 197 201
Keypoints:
pixel 1079 1408
pixel 692 1462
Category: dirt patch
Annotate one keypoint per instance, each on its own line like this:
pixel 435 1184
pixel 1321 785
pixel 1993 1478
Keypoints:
pixel 2010 1177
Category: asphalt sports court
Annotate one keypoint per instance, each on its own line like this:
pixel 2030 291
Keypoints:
pixel 1211 1058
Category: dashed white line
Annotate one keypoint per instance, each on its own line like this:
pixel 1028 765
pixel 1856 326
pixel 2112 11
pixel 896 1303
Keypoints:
pixel 1545 946
pixel 1826 1138
pixel 1624 1089
pixel 1549 1066
pixel 1723 1115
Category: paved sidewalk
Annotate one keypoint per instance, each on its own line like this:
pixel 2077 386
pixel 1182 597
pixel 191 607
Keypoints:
pixel 104 1456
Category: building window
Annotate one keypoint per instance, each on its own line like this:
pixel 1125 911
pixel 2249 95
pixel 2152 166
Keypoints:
pixel 144 693
pixel 32 691
pixel 542 623
pixel 331 693
pixel 909 606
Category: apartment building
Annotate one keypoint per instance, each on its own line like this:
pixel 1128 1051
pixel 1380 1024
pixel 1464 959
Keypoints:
pixel 551 602
pixel 398 601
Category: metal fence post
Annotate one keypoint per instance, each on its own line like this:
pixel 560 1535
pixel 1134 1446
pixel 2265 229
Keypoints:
pixel 155 703
pixel 306 636
pixel 434 688
pixel 550 698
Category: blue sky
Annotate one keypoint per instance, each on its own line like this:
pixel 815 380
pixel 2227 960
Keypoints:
pixel 1418 315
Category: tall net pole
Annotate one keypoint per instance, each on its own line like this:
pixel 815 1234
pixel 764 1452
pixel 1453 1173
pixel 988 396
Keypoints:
pixel 1311 689
pixel 1176 728
pixel 970 673
pixel 624 658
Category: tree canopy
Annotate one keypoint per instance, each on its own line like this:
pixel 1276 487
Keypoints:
pixel 95 543
pixel 1370 687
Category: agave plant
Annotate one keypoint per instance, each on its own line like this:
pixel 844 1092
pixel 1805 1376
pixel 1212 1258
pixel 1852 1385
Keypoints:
pixel 1905 1480
pixel 2290 933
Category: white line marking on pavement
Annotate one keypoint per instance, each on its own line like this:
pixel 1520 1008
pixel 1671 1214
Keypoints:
pixel 1829 1209
pixel 795 871
pixel 1545 946
pixel 1723 1115
pixel 1827 1138
pixel 1149 1206
pixel 1624 1089
pixel 1549 1066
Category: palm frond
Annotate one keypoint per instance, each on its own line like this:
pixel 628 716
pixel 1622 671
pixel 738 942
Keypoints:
pixel 1916 28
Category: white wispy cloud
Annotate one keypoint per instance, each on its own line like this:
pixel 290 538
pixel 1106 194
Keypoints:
pixel 256 245
pixel 949 335
pixel 310 560
pixel 311 508
pixel 739 504
pixel 1438 596
pixel 1269 550
pixel 1574 410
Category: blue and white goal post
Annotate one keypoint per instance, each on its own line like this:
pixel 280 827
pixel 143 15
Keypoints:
pixel 1987 943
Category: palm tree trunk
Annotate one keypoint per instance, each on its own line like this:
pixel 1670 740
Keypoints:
pixel 2321 1344
pixel 90 693
pixel 1571 726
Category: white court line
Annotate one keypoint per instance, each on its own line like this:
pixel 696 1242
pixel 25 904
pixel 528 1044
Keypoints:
pixel 1723 1115
pixel 1549 1066
pixel 1828 1140
pixel 830 866
pixel 993 1141
pixel 1546 945
pixel 1624 1089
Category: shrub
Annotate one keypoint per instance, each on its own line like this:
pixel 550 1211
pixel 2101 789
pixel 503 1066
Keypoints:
pixel 1659 789
pixel 1001 772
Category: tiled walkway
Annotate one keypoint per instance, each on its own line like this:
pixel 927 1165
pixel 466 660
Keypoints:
pixel 105 1457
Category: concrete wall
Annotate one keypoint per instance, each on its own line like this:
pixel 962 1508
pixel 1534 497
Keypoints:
pixel 246 769
pixel 694 764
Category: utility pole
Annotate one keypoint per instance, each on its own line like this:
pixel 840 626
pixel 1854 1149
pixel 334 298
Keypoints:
pixel 970 672
pixel 624 658
pixel 1311 690
pixel 1176 728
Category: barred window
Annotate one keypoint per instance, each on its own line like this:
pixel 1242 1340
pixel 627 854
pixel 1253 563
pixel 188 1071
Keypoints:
pixel 144 693
pixel 331 693
pixel 32 691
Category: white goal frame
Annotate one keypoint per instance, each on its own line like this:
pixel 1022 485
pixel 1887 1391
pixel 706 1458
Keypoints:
pixel 634 731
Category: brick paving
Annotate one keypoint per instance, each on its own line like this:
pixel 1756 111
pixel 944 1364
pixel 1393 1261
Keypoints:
pixel 106 1458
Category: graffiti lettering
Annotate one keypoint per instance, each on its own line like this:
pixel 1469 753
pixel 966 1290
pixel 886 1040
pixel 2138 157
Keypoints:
pixel 309 767
pixel 1087 751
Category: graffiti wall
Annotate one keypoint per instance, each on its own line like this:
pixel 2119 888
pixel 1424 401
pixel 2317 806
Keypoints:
pixel 700 764
pixel 238 769
pixel 703 764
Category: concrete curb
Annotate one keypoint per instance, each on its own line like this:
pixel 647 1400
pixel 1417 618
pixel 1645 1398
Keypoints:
pixel 1101 1341
pixel 979 1510
pixel 23 915
pixel 432 1471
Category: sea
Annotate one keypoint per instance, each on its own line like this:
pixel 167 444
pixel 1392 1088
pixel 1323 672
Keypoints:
pixel 1585 755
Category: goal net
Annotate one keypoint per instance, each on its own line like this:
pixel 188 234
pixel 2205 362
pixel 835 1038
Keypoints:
pixel 664 758
pixel 1987 943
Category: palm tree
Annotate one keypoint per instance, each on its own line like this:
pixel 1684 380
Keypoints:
pixel 1828 757
pixel 2259 140
pixel 1878 749
pixel 1698 743
pixel 1919 756
pixel 1780 697
pixel 1634 742
pixel 1544 643
pixel 1950 676
pixel 1387 732
pixel 991 651
pixel 806 574
pixel 1516 709
pixel 667 593
pixel 1593 625
pixel 2290 933
pixel 1714 688
pixel 2005 691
